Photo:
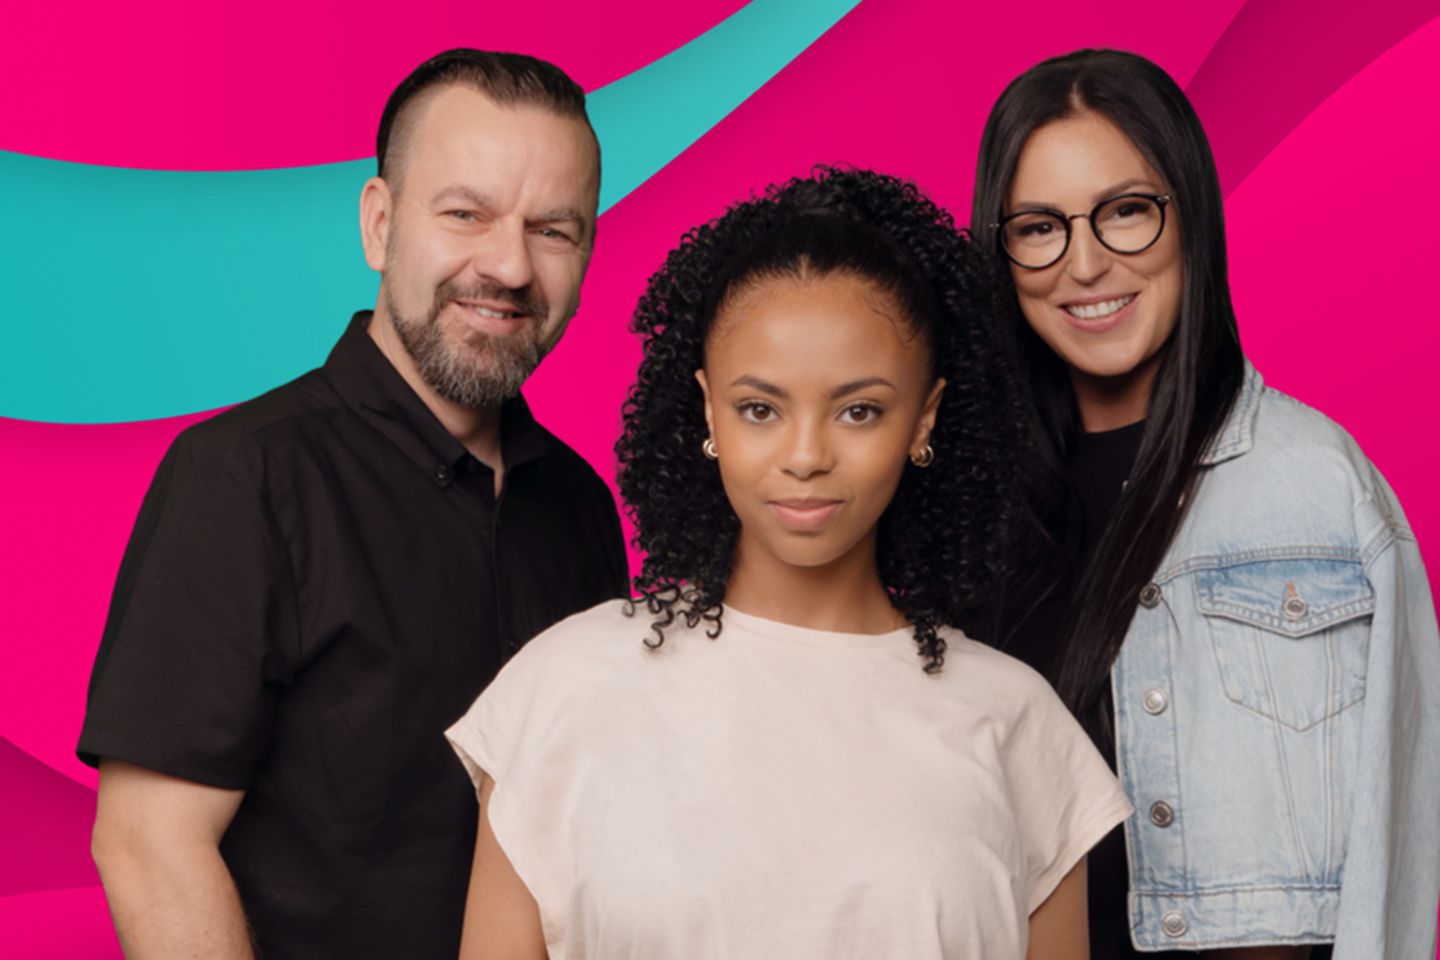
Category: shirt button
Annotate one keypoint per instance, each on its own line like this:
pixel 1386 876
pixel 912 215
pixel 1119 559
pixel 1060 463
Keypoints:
pixel 1150 596
pixel 442 473
pixel 1296 608
pixel 1162 814
pixel 1155 701
pixel 1174 924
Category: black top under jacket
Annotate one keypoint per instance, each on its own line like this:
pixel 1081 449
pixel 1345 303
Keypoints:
pixel 1099 465
pixel 319 582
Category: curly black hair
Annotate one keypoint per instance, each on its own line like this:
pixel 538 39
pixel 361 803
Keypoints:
pixel 940 542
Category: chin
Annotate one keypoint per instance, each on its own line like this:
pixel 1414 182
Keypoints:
pixel 1104 364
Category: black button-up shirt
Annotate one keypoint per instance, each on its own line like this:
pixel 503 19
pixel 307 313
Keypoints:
pixel 319 582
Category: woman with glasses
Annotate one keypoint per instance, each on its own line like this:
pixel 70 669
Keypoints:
pixel 1219 583
pixel 783 748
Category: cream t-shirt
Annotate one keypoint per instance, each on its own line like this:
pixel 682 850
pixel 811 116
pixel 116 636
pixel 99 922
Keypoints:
pixel 781 792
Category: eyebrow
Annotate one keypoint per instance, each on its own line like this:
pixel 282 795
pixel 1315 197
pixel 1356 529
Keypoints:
pixel 1114 190
pixel 854 386
pixel 465 193
pixel 473 196
pixel 764 386
pixel 564 215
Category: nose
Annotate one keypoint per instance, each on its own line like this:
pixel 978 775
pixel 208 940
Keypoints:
pixel 807 453
pixel 1088 257
pixel 504 255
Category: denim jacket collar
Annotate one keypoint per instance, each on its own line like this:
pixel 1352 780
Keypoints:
pixel 1237 436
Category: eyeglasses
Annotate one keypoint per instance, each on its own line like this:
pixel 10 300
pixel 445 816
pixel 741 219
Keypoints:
pixel 1129 223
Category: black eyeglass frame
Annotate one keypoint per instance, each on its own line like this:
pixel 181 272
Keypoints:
pixel 1161 200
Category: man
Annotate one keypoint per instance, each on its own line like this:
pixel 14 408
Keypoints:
pixel 322 579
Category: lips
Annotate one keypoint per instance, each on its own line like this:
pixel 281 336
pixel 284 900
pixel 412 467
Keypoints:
pixel 491 316
pixel 1098 309
pixel 804 514
pixel 1098 314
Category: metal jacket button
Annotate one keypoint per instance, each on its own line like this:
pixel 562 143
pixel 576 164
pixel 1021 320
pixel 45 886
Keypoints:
pixel 1294 606
pixel 1162 814
pixel 1174 924
pixel 1155 701
pixel 1150 596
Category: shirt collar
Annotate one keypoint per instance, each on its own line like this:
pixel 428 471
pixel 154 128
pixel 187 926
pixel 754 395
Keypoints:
pixel 375 390
pixel 1237 435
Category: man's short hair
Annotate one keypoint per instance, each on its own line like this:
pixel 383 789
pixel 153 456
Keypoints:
pixel 506 78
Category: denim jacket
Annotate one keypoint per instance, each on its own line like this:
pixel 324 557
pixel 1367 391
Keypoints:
pixel 1278 705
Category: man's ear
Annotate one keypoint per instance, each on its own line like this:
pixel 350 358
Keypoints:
pixel 377 211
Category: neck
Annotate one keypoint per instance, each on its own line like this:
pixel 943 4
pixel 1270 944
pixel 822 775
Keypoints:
pixel 477 428
pixel 1109 403
pixel 844 596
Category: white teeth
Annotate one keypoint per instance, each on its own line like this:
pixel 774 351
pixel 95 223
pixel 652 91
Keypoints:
pixel 1094 311
pixel 487 312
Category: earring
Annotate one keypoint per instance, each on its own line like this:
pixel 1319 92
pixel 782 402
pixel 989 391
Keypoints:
pixel 708 448
pixel 924 458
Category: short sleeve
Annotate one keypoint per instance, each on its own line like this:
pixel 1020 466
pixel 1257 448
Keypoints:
pixel 1066 799
pixel 518 734
pixel 193 655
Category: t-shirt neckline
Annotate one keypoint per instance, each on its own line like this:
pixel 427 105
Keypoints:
pixel 790 632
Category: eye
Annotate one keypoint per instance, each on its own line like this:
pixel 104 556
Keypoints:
pixel 464 216
pixel 555 233
pixel 1037 228
pixel 756 411
pixel 860 413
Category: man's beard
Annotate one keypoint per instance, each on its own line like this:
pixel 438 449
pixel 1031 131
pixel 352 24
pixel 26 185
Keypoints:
pixel 483 370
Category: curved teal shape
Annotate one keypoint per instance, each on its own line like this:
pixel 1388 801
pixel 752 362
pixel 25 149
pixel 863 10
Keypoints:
pixel 140 294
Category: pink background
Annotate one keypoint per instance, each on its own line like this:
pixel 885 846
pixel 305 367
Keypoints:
pixel 1323 118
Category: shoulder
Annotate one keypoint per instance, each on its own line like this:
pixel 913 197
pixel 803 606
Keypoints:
pixel 1285 426
pixel 1296 459
pixel 564 468
pixel 269 422
pixel 993 679
pixel 1320 463
pixel 1301 485
pixel 580 648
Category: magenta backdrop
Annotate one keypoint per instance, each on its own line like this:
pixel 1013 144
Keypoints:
pixel 1324 121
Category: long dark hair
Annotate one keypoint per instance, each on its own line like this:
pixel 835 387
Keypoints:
pixel 1199 375
pixel 939 547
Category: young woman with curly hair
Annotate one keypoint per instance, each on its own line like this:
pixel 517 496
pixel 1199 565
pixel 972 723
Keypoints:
pixel 750 759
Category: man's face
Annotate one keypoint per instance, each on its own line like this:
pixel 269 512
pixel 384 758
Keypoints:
pixel 489 232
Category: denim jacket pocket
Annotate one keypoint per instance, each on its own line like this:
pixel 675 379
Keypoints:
pixel 1290 635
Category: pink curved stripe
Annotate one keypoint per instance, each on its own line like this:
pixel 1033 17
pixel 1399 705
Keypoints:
pixel 1272 67
pixel 172 85
pixel 58 925
pixel 70 497
pixel 45 823
pixel 1332 288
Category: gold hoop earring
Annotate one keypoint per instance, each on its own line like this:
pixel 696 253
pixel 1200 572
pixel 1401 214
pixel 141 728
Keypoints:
pixel 708 448
pixel 924 458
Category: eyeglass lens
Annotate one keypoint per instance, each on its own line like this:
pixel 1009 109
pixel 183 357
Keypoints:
pixel 1124 224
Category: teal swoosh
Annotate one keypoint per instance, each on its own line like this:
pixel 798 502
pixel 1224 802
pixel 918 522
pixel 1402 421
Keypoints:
pixel 140 294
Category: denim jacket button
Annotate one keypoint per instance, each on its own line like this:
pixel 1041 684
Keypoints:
pixel 1150 596
pixel 1155 701
pixel 1162 814
pixel 1174 924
